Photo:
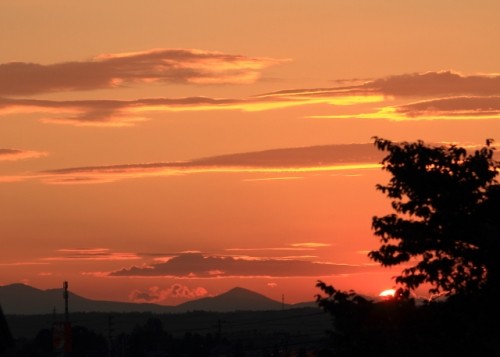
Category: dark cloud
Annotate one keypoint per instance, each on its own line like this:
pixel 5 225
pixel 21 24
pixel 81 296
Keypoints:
pixel 444 83
pixel 121 112
pixel 325 158
pixel 16 154
pixel 197 265
pixel 439 86
pixel 320 158
pixel 108 71
pixel 323 155
pixel 441 95
pixel 469 106
pixel 428 84
pixel 7 152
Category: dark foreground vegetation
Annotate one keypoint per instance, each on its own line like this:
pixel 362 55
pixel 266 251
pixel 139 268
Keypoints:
pixel 296 332
pixel 458 326
pixel 445 233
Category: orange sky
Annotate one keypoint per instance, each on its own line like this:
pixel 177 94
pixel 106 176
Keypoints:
pixel 161 151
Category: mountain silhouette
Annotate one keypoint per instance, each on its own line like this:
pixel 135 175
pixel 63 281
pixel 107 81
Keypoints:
pixel 233 300
pixel 26 300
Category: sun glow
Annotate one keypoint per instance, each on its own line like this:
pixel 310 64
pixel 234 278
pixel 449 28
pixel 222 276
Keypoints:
pixel 389 293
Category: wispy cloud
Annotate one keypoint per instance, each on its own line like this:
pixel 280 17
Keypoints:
pixel 436 89
pixel 267 249
pixel 121 113
pixel 348 158
pixel 306 246
pixel 107 174
pixel 16 154
pixel 91 254
pixel 466 107
pixel 454 108
pixel 442 95
pixel 280 161
pixel 114 70
pixel 287 178
pixel 196 265
pixel 155 294
pixel 311 245
pixel 427 84
pixel 23 263
pixel 443 83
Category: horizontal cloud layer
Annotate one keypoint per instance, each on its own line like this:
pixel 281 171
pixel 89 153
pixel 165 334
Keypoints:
pixel 91 254
pixel 478 94
pixel 456 106
pixel 195 265
pixel 127 113
pixel 16 154
pixel 113 70
pixel 306 159
pixel 428 84
pixel 453 96
pixel 299 161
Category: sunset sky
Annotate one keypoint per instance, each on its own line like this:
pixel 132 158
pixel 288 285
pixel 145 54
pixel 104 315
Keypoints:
pixel 158 151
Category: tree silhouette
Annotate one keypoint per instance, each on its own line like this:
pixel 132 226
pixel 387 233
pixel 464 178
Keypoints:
pixel 6 340
pixel 446 225
pixel 445 231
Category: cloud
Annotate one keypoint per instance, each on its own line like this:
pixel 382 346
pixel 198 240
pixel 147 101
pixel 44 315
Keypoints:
pixel 120 113
pixel 115 70
pixel 444 95
pixel 290 160
pixel 269 249
pixel 155 294
pixel 454 107
pixel 23 263
pixel 310 245
pixel 438 86
pixel 196 265
pixel 346 158
pixel 288 178
pixel 92 254
pixel 16 154
pixel 443 83
pixel 427 84
pixel 103 112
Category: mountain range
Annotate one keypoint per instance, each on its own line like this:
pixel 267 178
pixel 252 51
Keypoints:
pixel 27 300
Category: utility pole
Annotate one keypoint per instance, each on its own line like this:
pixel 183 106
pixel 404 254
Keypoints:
pixel 61 331
pixel 66 295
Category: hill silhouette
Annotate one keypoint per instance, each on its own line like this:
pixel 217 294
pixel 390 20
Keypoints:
pixel 233 300
pixel 27 300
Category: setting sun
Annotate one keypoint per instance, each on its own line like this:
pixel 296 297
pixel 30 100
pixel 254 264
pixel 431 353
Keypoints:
pixel 389 293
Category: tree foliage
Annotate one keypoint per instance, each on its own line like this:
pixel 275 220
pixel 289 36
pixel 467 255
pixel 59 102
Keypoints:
pixel 463 325
pixel 445 230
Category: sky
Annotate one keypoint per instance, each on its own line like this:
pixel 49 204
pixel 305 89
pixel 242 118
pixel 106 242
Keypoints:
pixel 160 151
